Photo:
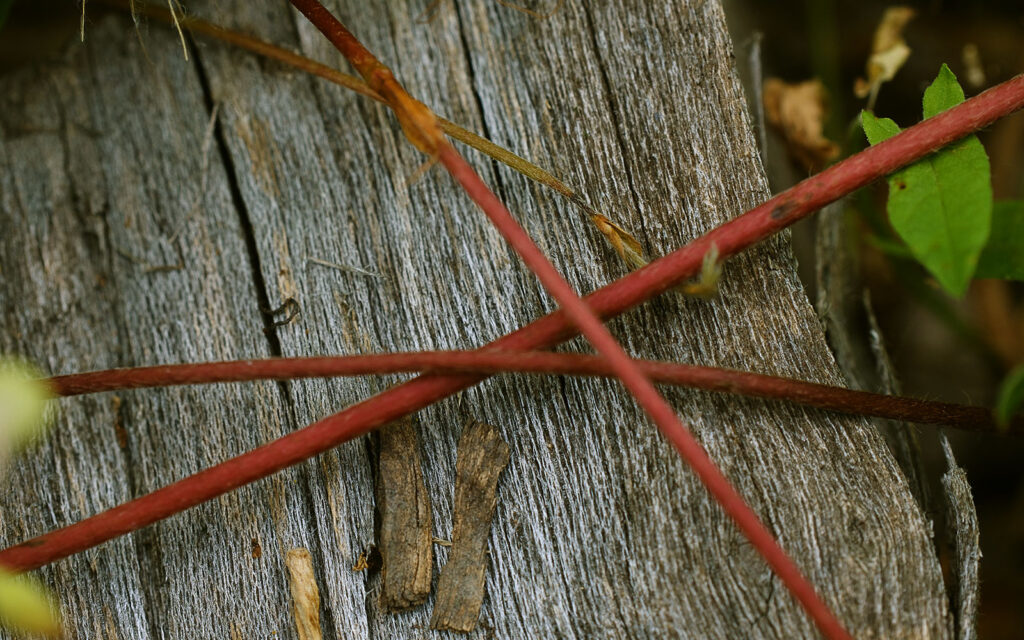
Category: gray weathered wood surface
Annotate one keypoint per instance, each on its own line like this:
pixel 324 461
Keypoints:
pixel 600 530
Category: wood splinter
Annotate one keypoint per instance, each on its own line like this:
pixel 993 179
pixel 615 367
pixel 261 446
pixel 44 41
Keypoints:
pixel 305 594
pixel 482 456
pixel 405 531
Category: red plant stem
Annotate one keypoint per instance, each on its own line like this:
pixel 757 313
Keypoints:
pixel 820 396
pixel 639 286
pixel 422 129
pixel 353 83
pixel 671 427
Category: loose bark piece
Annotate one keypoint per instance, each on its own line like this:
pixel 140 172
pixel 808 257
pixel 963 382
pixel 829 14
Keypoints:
pixel 838 303
pixel 857 341
pixel 962 530
pixel 482 456
pixel 901 436
pixel 405 537
pixel 305 594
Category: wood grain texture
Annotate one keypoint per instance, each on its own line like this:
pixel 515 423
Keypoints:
pixel 600 531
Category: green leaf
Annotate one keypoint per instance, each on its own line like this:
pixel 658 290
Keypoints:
pixel 877 129
pixel 26 607
pixel 1011 396
pixel 1003 256
pixel 941 207
pixel 942 94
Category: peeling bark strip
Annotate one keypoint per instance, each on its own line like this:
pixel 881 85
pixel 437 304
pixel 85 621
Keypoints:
pixel 482 456
pixel 405 536
pixel 305 594
pixel 962 531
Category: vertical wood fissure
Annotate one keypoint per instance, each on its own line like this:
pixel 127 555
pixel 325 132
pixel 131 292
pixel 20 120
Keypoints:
pixel 467 55
pixel 616 117
pixel 245 223
pixel 270 330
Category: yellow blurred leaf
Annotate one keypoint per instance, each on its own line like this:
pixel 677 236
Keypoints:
pixel 23 397
pixel 888 53
pixel 26 607
pixel 624 244
pixel 798 112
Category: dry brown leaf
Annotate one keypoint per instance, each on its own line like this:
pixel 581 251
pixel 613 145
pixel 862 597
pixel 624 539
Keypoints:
pixel 798 112
pixel 624 244
pixel 888 53
pixel 975 75
pixel 362 562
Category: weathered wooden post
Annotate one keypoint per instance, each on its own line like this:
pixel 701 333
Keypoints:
pixel 150 206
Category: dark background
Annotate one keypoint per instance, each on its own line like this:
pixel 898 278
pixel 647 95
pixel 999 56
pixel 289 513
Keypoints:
pixel 955 350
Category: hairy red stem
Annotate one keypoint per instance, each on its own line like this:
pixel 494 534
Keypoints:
pixel 422 128
pixel 820 396
pixel 633 378
pixel 752 227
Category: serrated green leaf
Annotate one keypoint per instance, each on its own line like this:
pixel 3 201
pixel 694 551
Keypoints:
pixel 1011 396
pixel 877 129
pixel 1003 255
pixel 941 207
pixel 942 94
pixel 26 607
